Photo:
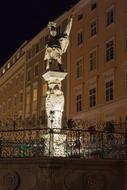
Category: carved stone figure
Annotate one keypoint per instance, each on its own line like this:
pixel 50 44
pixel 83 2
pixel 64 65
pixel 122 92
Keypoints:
pixel 56 45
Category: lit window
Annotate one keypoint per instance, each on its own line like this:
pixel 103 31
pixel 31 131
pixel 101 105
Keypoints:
pixel 79 68
pixel 93 60
pixel 93 28
pixel 109 16
pixel 36 70
pixel 44 89
pixel 35 94
pixel 93 5
pixel 79 103
pixel 109 90
pixel 109 50
pixel 80 38
pixel 92 97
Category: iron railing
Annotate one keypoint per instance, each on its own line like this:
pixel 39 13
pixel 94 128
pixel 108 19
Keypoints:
pixel 89 144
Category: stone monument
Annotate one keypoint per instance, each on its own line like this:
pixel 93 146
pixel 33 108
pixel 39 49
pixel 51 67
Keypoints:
pixel 55 47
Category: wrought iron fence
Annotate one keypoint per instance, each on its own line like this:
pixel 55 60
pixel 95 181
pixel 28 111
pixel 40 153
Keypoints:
pixel 89 144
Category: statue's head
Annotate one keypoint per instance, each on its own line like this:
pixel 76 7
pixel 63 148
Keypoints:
pixel 52 28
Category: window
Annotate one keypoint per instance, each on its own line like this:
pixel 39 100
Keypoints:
pixel 93 59
pixel 92 97
pixel 80 38
pixel 110 16
pixel 126 40
pixel 109 90
pixel 36 70
pixel 93 28
pixel 28 75
pixel 93 5
pixel 109 50
pixel 80 16
pixel 44 89
pixel 79 103
pixel 79 68
pixel 34 94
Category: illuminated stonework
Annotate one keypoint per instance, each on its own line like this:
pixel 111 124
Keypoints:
pixel 54 143
pixel 55 98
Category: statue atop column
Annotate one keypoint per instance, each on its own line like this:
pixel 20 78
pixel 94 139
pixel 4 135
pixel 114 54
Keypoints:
pixel 56 45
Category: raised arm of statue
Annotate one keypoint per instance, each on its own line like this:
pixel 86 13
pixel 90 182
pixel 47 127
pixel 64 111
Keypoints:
pixel 64 40
pixel 68 27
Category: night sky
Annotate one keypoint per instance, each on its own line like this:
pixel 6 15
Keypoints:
pixel 21 20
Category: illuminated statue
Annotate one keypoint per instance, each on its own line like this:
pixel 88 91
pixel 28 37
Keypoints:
pixel 56 45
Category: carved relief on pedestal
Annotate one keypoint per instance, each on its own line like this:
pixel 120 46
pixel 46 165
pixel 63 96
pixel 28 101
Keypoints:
pixel 78 179
pixel 9 180
pixel 94 181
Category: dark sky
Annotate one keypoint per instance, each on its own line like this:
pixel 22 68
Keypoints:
pixel 21 20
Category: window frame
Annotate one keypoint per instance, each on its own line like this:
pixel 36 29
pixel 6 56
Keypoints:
pixel 79 102
pixel 110 51
pixel 110 90
pixel 90 60
pixel 79 67
pixel 80 38
pixel 108 21
pixel 92 97
pixel 93 28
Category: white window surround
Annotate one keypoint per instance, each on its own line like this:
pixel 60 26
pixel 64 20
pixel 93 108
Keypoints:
pixel 93 27
pixel 80 38
pixel 106 42
pixel 92 96
pixel 109 76
pixel 112 7
pixel 79 91
pixel 90 52
pixel 79 67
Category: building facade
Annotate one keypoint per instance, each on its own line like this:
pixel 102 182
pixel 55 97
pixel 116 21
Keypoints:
pixel 96 85
pixel 98 66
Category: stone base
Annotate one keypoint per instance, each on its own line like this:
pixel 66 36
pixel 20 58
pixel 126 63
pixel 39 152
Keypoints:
pixel 54 76
pixel 55 145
